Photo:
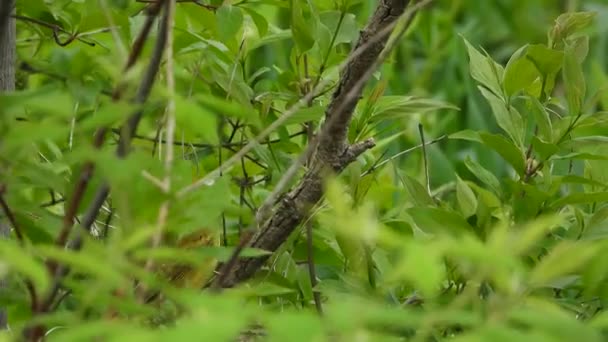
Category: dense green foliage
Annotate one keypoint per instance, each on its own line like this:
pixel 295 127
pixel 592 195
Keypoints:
pixel 495 231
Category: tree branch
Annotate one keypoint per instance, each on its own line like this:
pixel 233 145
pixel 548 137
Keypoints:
pixel 332 152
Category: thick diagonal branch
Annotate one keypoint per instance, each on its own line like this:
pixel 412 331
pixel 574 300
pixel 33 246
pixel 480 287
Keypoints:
pixel 333 151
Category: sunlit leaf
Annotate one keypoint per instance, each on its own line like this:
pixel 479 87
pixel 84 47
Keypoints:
pixel 484 70
pixel 467 201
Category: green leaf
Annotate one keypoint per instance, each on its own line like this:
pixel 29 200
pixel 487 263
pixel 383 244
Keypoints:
pixel 581 197
pixel 44 102
pixel 597 227
pixel 544 149
pixel 560 262
pixel 484 70
pixel 422 266
pixel 393 107
pixel 306 114
pixel 84 262
pixel 229 108
pixel 506 117
pixel 533 232
pixel 260 22
pixel 229 21
pixel 574 80
pixel 574 179
pixel 466 134
pixel 19 260
pixel 486 197
pixel 520 73
pixel 541 116
pixel 323 37
pixel 466 198
pixel 548 62
pixel 196 119
pixel 416 191
pixel 483 174
pixel 550 322
pixel 304 284
pixel 302 27
pixel 568 24
pixel 348 32
pixel 108 114
pixel 506 149
pixel 579 47
pixel 439 221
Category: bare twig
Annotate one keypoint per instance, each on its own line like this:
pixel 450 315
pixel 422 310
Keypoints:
pixel 26 67
pixel 224 269
pixel 196 2
pixel 425 159
pixel 56 29
pixel 113 29
pixel 397 155
pixel 203 145
pixel 311 268
pixel 9 215
pixel 19 234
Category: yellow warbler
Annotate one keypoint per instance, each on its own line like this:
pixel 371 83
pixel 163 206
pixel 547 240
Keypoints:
pixel 193 276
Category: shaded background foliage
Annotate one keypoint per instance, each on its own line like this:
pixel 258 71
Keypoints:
pixel 238 67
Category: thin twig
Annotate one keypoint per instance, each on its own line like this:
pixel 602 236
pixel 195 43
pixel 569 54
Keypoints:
pixel 203 145
pixel 397 155
pixel 113 29
pixel 330 48
pixel 19 234
pixel 311 268
pixel 224 270
pixel 425 159
pixel 56 29
pixel 26 67
pixel 196 2
pixel 10 216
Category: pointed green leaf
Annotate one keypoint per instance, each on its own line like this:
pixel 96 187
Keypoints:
pixel 19 260
pixel 574 80
pixel 229 21
pixel 484 70
pixel 439 221
pixel 506 149
pixel 520 73
pixel 560 262
pixel 483 174
pixel 548 62
pixel 506 117
pixel 542 119
pixel 467 202
pixel 568 24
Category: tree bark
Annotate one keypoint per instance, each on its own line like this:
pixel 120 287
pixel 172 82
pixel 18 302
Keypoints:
pixel 333 152
pixel 7 83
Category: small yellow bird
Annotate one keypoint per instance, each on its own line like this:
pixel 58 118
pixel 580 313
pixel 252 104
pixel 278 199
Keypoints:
pixel 189 276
